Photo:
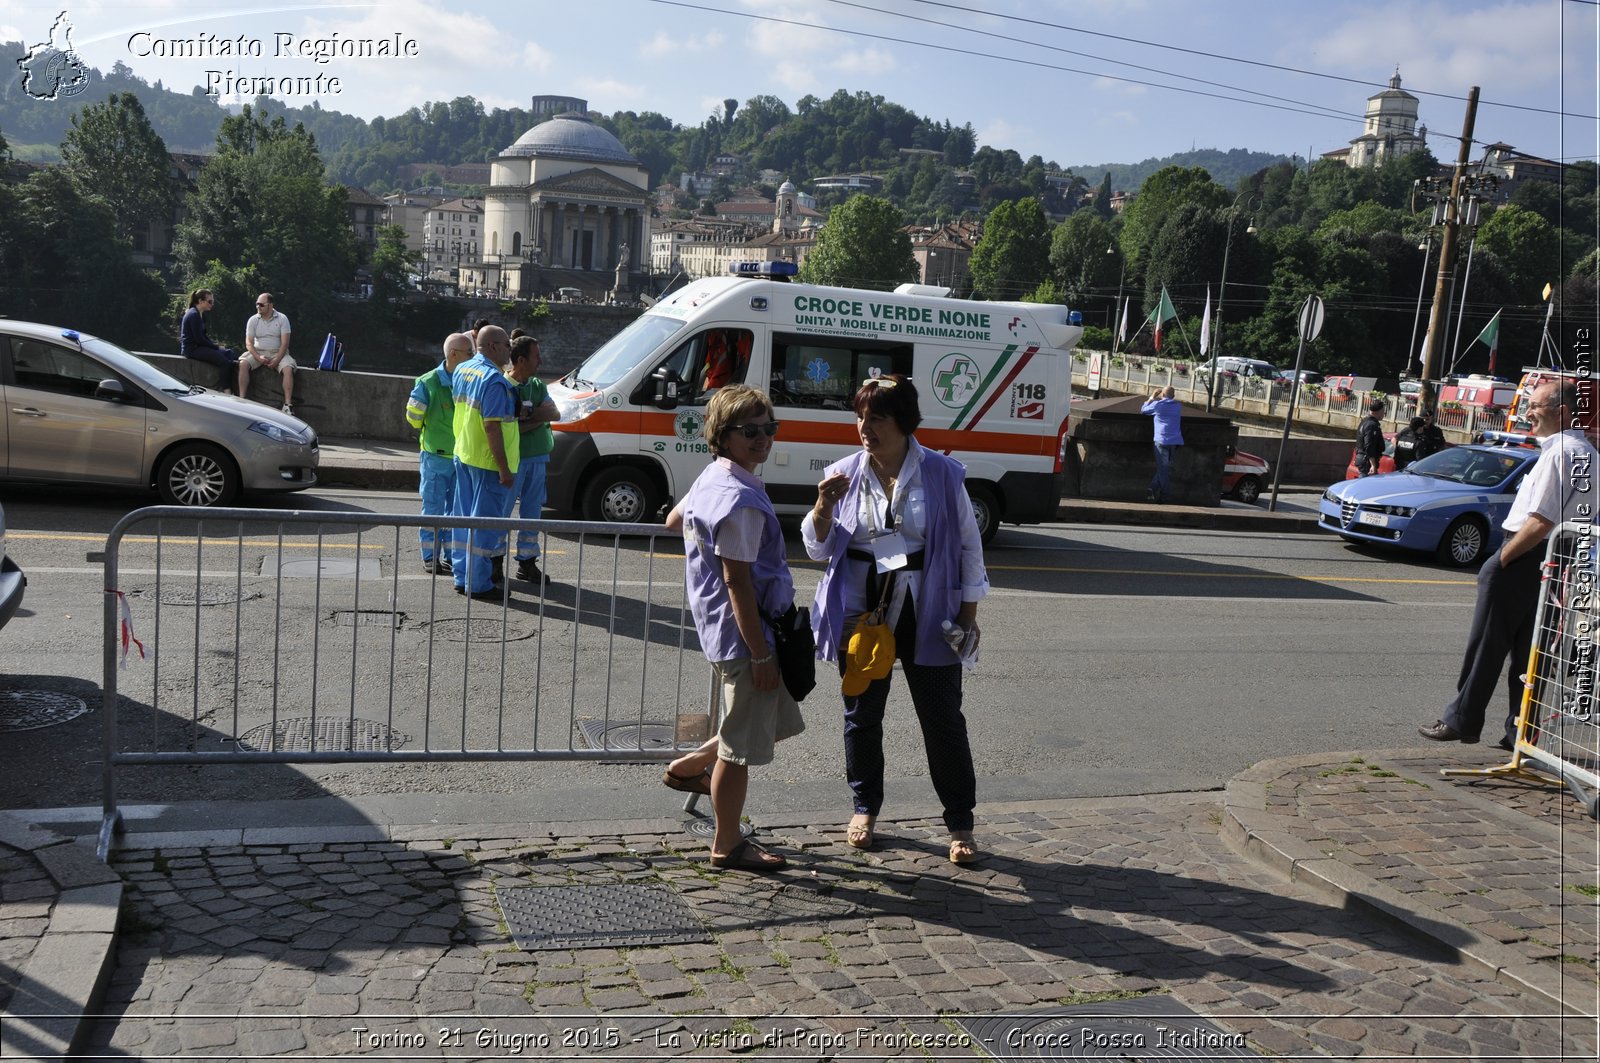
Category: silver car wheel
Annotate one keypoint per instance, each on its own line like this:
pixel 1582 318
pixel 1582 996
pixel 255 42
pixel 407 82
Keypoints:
pixel 196 475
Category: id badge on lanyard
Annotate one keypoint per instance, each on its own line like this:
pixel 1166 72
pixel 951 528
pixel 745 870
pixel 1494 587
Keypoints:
pixel 888 547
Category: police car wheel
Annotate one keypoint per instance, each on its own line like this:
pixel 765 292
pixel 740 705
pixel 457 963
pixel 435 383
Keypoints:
pixel 1464 542
pixel 196 474
pixel 1247 490
pixel 620 496
pixel 986 510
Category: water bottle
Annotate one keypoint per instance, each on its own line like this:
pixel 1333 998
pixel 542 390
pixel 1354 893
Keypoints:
pixel 954 634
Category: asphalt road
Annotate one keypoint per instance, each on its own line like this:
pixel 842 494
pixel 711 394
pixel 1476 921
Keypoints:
pixel 1115 661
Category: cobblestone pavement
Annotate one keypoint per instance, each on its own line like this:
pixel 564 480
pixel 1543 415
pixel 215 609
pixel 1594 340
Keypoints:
pixel 400 948
pixel 1514 862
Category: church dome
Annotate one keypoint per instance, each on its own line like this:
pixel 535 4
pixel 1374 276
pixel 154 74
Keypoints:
pixel 571 136
pixel 787 189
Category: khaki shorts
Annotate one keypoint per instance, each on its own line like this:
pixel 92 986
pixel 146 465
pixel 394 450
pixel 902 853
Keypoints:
pixel 253 363
pixel 753 720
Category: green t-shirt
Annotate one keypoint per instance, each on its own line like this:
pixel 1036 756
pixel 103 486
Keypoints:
pixel 537 440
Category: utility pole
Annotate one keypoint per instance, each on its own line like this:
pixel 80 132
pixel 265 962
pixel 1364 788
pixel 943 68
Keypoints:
pixel 1437 315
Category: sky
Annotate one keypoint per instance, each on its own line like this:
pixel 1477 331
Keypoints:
pixel 1077 82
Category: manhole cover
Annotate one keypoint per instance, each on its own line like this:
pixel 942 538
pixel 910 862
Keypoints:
pixel 366 618
pixel 479 629
pixel 631 737
pixel 614 915
pixel 1152 1027
pixel 206 594
pixel 329 734
pixel 706 827
pixel 28 710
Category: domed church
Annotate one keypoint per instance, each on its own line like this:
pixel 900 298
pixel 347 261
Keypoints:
pixel 567 207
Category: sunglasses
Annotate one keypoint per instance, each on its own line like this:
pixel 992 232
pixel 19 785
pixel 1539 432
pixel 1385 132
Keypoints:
pixel 750 431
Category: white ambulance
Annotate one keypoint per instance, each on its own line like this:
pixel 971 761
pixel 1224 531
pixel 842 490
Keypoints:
pixel 994 380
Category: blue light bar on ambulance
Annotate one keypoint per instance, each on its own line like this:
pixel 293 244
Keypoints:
pixel 763 269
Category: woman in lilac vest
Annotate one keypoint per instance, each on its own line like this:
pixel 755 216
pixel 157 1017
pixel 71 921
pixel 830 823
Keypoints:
pixel 895 524
pixel 737 576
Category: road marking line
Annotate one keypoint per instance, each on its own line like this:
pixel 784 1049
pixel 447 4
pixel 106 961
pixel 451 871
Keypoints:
pixel 1228 575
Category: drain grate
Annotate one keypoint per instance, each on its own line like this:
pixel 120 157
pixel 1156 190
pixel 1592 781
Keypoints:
pixel 367 618
pixel 479 629
pixel 614 915
pixel 705 827
pixel 29 710
pixel 807 903
pixel 1152 1027
pixel 207 594
pixel 327 734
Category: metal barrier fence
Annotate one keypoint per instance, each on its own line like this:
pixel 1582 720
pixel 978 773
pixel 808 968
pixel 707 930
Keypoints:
pixel 255 636
pixel 1558 730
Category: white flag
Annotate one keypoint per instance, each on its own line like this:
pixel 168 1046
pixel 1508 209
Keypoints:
pixel 1122 329
pixel 1205 324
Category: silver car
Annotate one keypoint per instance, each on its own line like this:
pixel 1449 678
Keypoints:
pixel 78 409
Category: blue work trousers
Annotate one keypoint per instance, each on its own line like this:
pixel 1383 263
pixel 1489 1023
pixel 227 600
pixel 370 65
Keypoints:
pixel 438 475
pixel 529 493
pixel 478 494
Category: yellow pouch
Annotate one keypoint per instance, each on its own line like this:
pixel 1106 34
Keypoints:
pixel 869 653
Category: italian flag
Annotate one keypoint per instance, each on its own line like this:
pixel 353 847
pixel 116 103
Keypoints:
pixel 1491 336
pixel 1163 312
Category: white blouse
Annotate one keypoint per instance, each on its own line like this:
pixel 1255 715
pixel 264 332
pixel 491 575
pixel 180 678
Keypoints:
pixel 910 520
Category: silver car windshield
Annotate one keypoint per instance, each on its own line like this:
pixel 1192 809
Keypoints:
pixel 134 367
pixel 625 350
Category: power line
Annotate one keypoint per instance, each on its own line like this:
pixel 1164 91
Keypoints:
pixel 1335 112
pixel 1007 59
pixel 1246 62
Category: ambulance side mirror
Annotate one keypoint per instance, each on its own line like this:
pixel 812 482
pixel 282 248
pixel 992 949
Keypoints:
pixel 667 384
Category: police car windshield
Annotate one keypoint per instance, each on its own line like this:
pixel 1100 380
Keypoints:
pixel 625 350
pixel 1471 466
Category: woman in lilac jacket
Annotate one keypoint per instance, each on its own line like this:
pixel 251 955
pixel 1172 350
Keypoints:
pixel 895 525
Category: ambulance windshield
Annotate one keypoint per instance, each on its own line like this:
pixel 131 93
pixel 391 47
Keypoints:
pixel 624 351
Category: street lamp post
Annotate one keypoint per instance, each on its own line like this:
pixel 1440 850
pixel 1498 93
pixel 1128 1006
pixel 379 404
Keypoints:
pixel 1426 247
pixel 1111 249
pixel 1222 295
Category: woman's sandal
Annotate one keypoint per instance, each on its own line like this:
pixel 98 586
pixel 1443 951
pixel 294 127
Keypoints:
pixel 748 856
pixel 962 849
pixel 859 833
pixel 689 784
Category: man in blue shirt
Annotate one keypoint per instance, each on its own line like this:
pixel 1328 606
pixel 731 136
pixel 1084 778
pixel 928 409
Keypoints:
pixel 1167 412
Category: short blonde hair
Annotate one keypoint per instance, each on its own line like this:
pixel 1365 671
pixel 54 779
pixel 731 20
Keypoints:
pixel 732 404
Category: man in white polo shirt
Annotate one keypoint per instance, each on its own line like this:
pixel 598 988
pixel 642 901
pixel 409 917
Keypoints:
pixel 266 344
pixel 1559 487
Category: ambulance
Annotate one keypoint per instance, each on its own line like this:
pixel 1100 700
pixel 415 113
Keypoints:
pixel 994 382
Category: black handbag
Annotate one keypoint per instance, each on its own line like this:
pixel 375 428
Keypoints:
pixel 796 649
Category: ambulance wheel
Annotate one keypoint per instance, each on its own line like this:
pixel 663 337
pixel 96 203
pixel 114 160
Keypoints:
pixel 986 508
pixel 621 495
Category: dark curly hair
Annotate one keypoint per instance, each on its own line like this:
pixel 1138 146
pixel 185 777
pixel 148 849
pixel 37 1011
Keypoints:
pixel 889 396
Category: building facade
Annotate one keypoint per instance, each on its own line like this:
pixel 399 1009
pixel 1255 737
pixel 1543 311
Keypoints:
pixel 452 236
pixel 1390 130
pixel 567 206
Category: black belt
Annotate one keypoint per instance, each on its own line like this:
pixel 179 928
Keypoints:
pixel 445 453
pixel 913 559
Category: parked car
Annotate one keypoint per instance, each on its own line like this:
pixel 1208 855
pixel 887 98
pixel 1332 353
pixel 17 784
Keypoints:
pixel 1307 376
pixel 1244 475
pixel 81 410
pixel 12 581
pixel 1451 503
pixel 1236 367
pixel 1385 463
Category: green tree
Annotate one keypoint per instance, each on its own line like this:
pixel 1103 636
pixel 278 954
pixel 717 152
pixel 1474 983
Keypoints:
pixel 1527 245
pixel 115 155
pixel 1013 255
pixel 62 262
pixel 1162 193
pixel 862 245
pixel 391 268
pixel 1102 198
pixel 261 206
pixel 1084 260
